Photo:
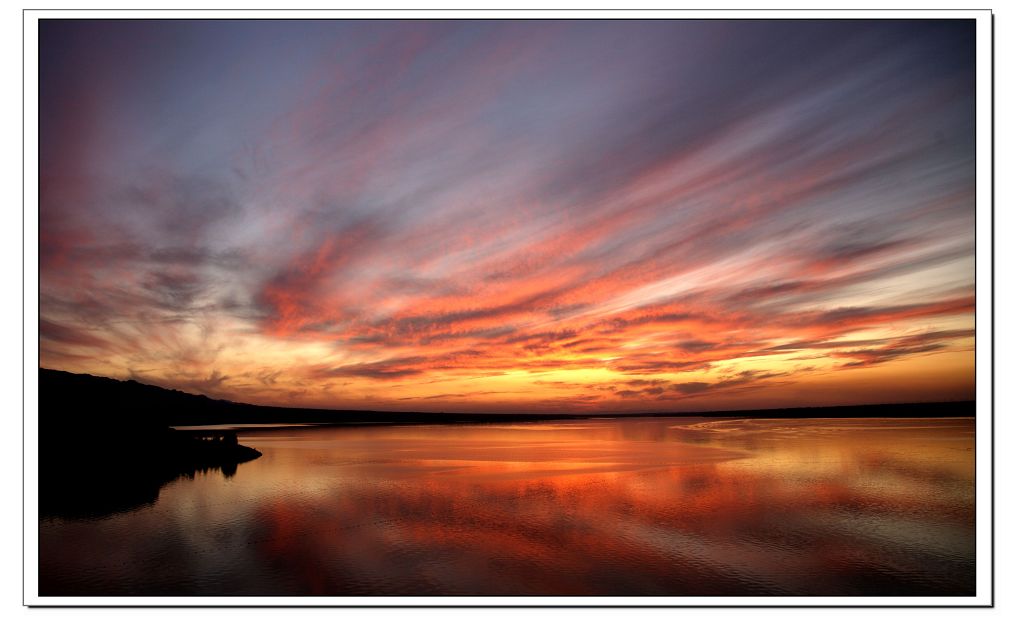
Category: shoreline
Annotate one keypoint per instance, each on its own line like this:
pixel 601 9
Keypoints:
pixel 930 410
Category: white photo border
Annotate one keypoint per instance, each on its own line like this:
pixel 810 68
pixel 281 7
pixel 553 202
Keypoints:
pixel 984 358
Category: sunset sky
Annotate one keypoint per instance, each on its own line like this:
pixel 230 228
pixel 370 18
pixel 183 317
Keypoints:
pixel 584 216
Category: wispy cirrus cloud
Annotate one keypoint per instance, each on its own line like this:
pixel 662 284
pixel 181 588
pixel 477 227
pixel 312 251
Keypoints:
pixel 645 214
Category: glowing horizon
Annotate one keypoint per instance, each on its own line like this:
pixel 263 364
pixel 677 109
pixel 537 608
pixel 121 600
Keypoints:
pixel 540 216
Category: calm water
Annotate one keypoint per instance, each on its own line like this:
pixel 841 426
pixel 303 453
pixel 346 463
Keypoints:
pixel 648 506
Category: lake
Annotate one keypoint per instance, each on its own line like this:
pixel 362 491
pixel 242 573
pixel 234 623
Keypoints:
pixel 617 506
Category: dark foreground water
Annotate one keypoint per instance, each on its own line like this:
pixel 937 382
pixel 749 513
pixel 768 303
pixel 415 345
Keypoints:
pixel 648 506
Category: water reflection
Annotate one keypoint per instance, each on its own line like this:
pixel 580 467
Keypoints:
pixel 96 490
pixel 605 507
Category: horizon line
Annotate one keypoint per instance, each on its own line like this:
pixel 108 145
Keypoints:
pixel 534 414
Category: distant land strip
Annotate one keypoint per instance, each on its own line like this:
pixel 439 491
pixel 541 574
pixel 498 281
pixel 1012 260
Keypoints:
pixel 70 399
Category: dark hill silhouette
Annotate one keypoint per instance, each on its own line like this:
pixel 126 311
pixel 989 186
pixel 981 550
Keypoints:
pixel 105 446
pixel 74 399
